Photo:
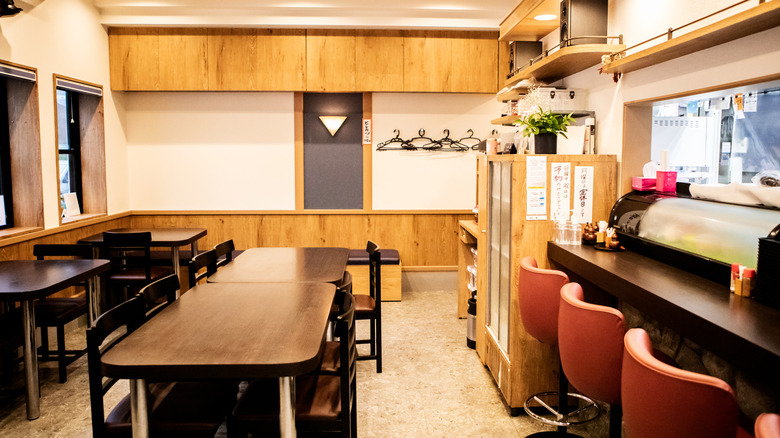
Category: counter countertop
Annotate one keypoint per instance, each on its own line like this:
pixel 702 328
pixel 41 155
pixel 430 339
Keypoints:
pixel 739 330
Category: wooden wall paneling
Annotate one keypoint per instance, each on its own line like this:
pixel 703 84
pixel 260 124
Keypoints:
pixel 427 61
pixel 134 58
pixel 25 140
pixel 379 59
pixel 368 150
pixel 183 59
pixel 93 154
pixel 281 59
pixel 231 59
pixel 330 60
pixel 503 63
pixel 474 62
pixel 411 234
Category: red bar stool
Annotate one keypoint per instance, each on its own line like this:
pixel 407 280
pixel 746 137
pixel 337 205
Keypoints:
pixel 660 400
pixel 539 293
pixel 768 426
pixel 590 339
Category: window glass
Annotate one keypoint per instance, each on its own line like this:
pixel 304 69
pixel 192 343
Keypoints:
pixel 6 201
pixel 68 145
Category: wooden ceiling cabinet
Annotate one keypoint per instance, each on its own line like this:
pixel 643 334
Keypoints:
pixel 427 61
pixel 379 59
pixel 474 62
pixel 134 57
pixel 330 60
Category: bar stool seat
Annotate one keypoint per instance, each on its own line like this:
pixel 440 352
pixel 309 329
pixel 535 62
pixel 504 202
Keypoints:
pixel 768 426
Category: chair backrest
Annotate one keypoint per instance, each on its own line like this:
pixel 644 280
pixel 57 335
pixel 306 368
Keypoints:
pixel 158 294
pixel 590 340
pixel 129 314
pixel 345 330
pixel 224 252
pixel 208 260
pixel 768 426
pixel 128 250
pixel 660 400
pixel 73 250
pixel 374 272
pixel 539 293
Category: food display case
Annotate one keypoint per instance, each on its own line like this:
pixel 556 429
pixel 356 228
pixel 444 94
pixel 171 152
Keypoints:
pixel 700 236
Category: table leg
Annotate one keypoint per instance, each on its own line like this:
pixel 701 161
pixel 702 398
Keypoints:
pixel 93 300
pixel 31 361
pixel 287 406
pixel 138 408
pixel 176 266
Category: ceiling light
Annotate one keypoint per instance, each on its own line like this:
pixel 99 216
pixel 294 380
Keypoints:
pixel 333 123
pixel 545 17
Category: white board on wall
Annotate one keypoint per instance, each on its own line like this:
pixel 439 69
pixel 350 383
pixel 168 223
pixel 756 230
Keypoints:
pixel 211 151
pixel 421 180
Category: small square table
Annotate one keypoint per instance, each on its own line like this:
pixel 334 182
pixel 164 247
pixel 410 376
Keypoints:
pixel 27 280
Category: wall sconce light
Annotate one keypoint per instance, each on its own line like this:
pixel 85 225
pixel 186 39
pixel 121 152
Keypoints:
pixel 333 123
pixel 8 8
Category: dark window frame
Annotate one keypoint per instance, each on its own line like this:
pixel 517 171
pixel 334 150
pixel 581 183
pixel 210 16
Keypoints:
pixel 74 146
pixel 6 188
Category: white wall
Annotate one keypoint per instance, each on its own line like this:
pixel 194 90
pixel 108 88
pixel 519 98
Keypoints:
pixel 750 57
pixel 211 151
pixel 418 180
pixel 65 37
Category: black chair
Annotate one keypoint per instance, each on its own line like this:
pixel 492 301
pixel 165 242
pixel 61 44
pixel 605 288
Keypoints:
pixel 180 409
pixel 370 306
pixel 11 340
pixel 324 403
pixel 58 311
pixel 131 266
pixel 207 260
pixel 330 355
pixel 226 252
pixel 159 294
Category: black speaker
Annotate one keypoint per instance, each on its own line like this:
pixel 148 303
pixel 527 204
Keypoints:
pixel 581 18
pixel 521 53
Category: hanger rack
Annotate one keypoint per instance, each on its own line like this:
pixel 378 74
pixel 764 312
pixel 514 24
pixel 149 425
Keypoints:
pixel 423 142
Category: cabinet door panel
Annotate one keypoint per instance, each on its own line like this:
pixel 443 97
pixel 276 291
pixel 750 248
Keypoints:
pixel 474 62
pixel 281 59
pixel 330 60
pixel 379 59
pixel 427 61
pixel 183 59
pixel 232 54
pixel 134 58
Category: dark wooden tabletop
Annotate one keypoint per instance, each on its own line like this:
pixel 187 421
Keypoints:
pixel 739 330
pixel 324 265
pixel 160 236
pixel 32 279
pixel 229 331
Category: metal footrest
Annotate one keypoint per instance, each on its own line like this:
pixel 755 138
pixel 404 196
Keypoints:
pixel 544 402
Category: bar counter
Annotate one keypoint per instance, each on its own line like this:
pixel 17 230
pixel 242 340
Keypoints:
pixel 739 330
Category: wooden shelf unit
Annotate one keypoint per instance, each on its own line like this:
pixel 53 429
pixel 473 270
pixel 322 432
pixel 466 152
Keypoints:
pixel 762 17
pixel 506 120
pixel 515 94
pixel 520 25
pixel 564 62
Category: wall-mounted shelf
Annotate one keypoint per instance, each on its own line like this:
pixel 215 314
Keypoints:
pixel 762 17
pixel 520 25
pixel 564 62
pixel 506 120
pixel 511 94
pixel 509 120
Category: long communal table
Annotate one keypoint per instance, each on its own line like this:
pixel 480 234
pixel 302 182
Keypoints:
pixel 227 331
pixel 28 280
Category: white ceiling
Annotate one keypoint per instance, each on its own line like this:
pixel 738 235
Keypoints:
pixel 388 14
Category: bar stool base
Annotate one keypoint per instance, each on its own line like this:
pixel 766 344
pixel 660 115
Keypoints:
pixel 551 434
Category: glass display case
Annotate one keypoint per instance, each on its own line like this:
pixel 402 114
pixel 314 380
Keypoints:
pixel 499 239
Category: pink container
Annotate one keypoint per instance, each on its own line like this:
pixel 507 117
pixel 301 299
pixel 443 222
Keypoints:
pixel 665 181
pixel 642 184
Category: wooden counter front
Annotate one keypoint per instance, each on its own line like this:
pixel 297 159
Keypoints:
pixel 739 330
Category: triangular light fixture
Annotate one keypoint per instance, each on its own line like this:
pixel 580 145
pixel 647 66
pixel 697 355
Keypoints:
pixel 333 123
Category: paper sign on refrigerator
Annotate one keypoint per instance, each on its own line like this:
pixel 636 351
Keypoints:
pixel 583 194
pixel 536 182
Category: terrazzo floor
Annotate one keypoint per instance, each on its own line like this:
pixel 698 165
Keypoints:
pixel 432 385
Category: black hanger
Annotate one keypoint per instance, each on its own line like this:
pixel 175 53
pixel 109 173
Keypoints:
pixel 470 142
pixel 402 144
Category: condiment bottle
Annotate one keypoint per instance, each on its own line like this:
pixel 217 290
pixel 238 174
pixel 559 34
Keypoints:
pixel 734 277
pixel 748 281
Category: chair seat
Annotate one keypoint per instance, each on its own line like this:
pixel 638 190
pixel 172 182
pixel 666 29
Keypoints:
pixel 364 304
pixel 138 275
pixel 360 257
pixel 317 398
pixel 181 409
pixel 52 311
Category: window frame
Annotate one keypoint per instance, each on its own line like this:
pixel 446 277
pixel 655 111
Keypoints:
pixel 6 180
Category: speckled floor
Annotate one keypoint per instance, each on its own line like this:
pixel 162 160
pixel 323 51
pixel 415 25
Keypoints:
pixel 432 385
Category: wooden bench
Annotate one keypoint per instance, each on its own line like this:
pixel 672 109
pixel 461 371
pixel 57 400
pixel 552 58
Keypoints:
pixel 357 265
